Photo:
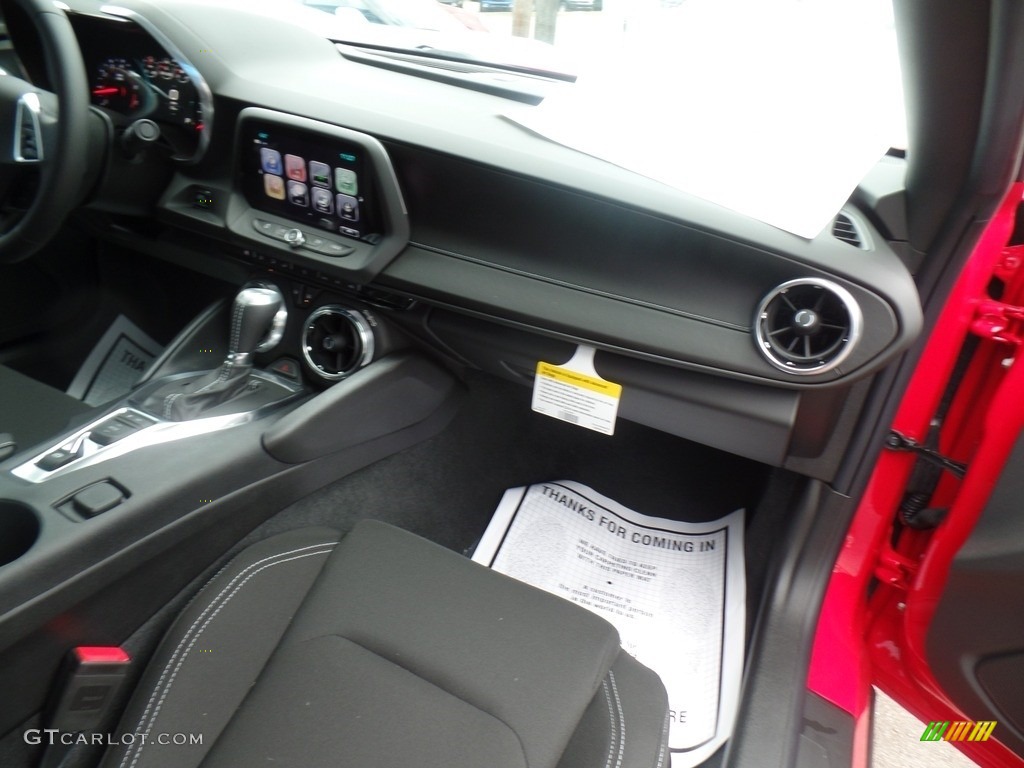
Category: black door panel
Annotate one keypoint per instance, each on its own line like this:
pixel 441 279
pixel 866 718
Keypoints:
pixel 976 639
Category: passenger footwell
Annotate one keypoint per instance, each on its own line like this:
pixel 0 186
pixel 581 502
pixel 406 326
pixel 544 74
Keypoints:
pixel 674 590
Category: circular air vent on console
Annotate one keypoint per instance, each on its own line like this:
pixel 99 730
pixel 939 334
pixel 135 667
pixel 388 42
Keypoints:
pixel 337 342
pixel 807 326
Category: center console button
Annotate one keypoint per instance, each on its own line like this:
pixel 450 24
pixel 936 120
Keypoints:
pixel 110 431
pixel 96 499
pixel 329 247
pixel 136 419
pixel 119 427
pixel 56 459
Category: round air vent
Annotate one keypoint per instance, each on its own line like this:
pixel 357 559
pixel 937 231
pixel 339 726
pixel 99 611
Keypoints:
pixel 337 342
pixel 807 326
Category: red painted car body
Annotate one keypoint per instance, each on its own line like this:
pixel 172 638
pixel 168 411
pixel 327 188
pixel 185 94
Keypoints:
pixel 889 578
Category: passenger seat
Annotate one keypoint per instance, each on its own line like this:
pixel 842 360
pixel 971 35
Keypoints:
pixel 31 411
pixel 385 650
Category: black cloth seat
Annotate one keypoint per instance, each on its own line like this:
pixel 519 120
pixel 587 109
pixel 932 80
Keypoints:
pixel 32 412
pixel 384 649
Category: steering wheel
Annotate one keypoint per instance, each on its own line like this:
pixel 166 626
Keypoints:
pixel 43 135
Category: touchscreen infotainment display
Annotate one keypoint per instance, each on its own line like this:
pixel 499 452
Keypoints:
pixel 311 178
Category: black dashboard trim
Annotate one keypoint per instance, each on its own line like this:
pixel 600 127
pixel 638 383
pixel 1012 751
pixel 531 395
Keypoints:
pixel 585 289
pixel 577 313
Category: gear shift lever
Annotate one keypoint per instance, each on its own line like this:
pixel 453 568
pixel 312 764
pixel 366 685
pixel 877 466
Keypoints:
pixel 251 317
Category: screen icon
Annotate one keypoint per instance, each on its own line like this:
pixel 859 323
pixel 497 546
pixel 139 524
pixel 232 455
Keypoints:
pixel 348 207
pixel 295 167
pixel 320 173
pixel 346 181
pixel 322 200
pixel 270 159
pixel 273 186
pixel 297 194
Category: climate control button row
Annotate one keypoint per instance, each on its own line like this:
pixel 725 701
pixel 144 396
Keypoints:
pixel 296 238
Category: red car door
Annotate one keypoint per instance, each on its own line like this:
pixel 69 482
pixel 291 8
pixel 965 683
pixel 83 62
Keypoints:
pixel 927 597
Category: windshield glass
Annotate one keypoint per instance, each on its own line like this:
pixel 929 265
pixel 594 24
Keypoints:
pixel 775 108
pixel 839 53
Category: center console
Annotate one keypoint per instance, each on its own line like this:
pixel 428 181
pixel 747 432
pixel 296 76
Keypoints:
pixel 109 520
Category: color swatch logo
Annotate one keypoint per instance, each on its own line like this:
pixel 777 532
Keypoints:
pixel 960 730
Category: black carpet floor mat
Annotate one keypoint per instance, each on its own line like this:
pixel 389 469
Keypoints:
pixel 447 488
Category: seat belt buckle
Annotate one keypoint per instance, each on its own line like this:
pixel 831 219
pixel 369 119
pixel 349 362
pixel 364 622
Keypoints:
pixel 87 688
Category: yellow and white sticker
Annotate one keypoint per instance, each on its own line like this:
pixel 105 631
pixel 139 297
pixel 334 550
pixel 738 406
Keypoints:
pixel 575 393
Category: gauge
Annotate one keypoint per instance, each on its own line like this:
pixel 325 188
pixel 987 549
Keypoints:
pixel 149 67
pixel 120 88
pixel 180 75
pixel 165 69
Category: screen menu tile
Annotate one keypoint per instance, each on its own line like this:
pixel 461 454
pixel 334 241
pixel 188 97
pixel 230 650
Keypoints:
pixel 308 178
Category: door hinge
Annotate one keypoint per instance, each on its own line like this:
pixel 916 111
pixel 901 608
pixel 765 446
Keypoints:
pixel 999 321
pixel 894 569
pixel 1011 261
pixel 897 441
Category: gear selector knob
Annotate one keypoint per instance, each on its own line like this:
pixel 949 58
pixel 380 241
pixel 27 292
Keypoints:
pixel 251 318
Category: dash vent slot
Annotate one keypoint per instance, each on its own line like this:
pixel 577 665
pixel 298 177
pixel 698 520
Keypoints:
pixel 843 228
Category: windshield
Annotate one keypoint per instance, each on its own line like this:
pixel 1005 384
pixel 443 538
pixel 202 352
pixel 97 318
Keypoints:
pixel 840 54
pixel 775 108
pixel 416 14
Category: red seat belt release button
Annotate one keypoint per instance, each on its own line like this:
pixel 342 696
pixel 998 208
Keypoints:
pixel 87 687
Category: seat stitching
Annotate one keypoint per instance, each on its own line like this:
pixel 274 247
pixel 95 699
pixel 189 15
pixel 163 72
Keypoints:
pixel 440 687
pixel 622 719
pixel 663 749
pixel 611 720
pixel 202 589
pixel 147 719
pixel 184 655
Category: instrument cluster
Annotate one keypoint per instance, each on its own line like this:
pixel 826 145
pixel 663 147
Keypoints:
pixel 157 87
pixel 134 76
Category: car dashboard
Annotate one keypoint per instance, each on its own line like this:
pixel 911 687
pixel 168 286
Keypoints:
pixel 423 256
pixel 349 174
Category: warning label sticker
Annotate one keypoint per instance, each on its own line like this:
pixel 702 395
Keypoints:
pixel 575 393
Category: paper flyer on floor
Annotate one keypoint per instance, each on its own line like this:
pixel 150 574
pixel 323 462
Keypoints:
pixel 675 591
pixel 115 364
